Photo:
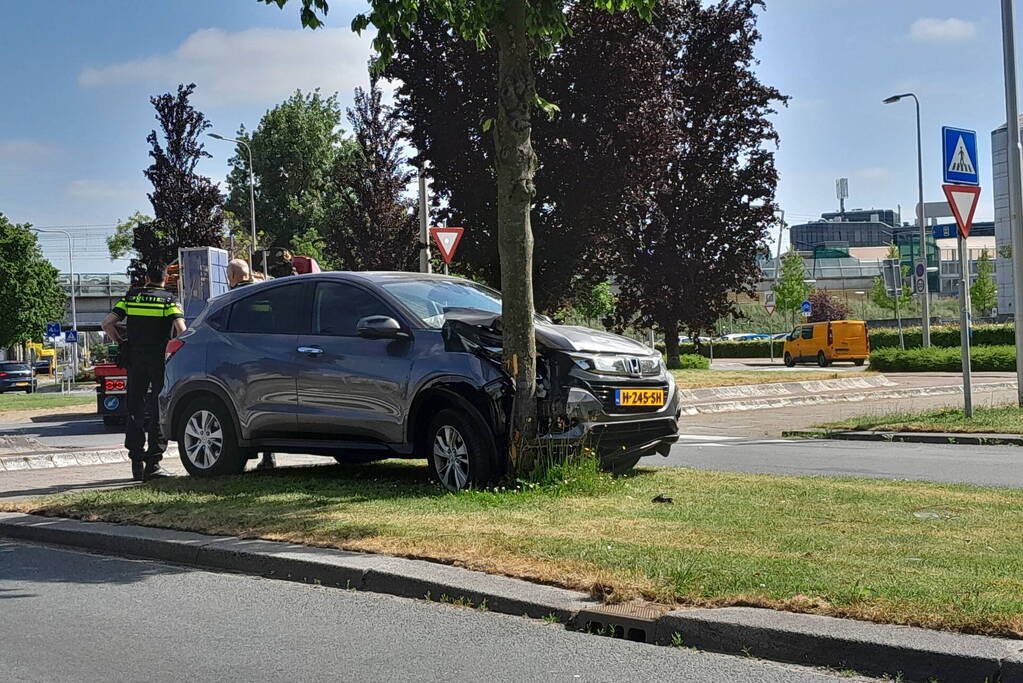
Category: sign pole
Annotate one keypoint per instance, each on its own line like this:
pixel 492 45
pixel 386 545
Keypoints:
pixel 964 325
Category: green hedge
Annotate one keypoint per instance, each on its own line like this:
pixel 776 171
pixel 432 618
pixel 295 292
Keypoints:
pixel 731 349
pixel 690 361
pixel 945 336
pixel 943 359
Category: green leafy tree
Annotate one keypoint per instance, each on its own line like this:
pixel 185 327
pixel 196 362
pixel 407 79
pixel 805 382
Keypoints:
pixel 791 290
pixel 984 292
pixel 119 244
pixel 520 30
pixel 294 150
pixel 879 292
pixel 595 303
pixel 30 293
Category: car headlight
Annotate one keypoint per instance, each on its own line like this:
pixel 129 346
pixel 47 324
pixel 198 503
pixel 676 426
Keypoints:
pixel 619 365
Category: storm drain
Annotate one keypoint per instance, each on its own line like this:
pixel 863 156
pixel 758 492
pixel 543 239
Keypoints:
pixel 628 621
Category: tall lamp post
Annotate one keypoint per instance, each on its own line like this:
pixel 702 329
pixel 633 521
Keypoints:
pixel 1013 158
pixel 921 215
pixel 252 198
pixel 71 274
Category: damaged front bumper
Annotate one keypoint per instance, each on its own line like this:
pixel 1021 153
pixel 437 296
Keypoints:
pixel 614 437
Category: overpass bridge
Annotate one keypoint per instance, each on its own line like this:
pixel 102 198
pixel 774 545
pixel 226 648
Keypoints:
pixel 95 296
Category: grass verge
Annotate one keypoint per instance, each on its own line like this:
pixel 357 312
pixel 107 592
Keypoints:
pixel 932 555
pixel 699 379
pixel 15 402
pixel 994 420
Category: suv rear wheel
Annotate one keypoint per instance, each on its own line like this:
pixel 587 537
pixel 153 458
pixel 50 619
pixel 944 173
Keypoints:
pixel 459 450
pixel 206 441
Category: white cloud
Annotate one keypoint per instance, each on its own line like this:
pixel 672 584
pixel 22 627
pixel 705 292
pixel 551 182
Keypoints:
pixel 24 152
pixel 951 30
pixel 101 190
pixel 252 66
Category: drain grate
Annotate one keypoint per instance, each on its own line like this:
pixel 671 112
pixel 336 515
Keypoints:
pixel 628 621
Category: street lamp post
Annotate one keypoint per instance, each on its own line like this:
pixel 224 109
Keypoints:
pixel 71 274
pixel 921 215
pixel 252 198
pixel 1012 152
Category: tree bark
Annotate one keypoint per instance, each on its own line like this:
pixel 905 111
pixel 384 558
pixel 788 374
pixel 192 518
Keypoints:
pixel 515 166
pixel 671 345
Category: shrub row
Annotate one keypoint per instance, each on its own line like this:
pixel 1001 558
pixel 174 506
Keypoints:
pixel 945 335
pixel 731 349
pixel 943 359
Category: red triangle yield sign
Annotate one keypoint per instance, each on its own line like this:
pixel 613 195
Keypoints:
pixel 963 199
pixel 447 240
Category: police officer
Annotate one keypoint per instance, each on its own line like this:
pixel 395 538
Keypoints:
pixel 152 317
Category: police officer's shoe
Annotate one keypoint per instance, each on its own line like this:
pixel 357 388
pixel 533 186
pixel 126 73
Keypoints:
pixel 137 469
pixel 154 471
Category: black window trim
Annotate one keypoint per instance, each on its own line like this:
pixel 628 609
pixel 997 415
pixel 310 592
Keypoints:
pixel 391 311
pixel 305 322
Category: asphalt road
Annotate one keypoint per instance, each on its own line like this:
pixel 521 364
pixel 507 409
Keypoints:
pixel 71 431
pixel 70 616
pixel 960 464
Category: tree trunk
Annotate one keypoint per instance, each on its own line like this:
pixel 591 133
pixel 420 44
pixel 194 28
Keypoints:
pixel 671 345
pixel 515 165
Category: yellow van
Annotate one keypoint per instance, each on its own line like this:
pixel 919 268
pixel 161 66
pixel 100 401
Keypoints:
pixel 827 342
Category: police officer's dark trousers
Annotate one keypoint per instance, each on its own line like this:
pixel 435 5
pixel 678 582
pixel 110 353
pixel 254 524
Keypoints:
pixel 145 382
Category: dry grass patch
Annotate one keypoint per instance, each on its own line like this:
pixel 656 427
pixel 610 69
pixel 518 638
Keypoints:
pixel 699 379
pixel 932 555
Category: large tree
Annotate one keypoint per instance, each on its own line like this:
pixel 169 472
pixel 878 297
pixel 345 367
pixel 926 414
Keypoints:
pixel 601 154
pixel 791 288
pixel 374 224
pixel 30 294
pixel 697 246
pixel 187 207
pixel 520 30
pixel 295 149
pixel 984 291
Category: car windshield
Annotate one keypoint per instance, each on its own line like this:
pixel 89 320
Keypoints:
pixel 430 299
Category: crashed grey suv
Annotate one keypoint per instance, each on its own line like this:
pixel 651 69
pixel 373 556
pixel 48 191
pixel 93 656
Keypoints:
pixel 366 366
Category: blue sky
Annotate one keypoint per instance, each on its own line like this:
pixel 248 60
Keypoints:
pixel 75 110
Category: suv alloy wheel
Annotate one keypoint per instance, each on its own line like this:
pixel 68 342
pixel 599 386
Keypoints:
pixel 206 441
pixel 460 450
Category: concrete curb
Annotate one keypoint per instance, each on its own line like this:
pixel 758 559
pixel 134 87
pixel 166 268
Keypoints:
pixel 69 458
pixel 875 649
pixel 820 399
pixel 909 437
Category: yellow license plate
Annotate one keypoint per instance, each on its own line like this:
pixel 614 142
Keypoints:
pixel 21 384
pixel 639 397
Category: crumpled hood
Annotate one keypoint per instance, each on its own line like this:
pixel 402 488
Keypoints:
pixel 485 328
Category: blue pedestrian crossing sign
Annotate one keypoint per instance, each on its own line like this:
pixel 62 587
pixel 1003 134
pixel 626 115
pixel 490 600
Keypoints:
pixel 960 165
pixel 71 337
pixel 52 329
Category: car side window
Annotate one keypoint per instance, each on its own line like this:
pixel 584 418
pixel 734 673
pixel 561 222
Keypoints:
pixel 794 334
pixel 338 307
pixel 808 332
pixel 275 310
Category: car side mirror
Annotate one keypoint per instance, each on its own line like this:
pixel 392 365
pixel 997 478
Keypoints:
pixel 380 327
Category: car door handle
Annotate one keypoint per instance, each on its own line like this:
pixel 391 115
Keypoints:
pixel 310 350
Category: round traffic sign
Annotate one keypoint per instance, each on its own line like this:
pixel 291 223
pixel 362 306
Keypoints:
pixel 921 270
